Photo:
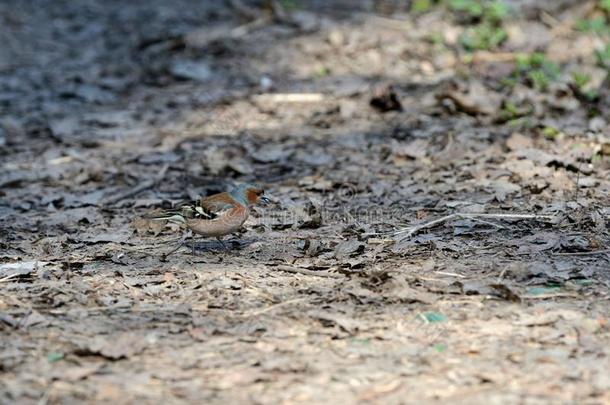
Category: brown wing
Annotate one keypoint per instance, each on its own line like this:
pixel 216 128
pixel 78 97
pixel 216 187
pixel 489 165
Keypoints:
pixel 217 203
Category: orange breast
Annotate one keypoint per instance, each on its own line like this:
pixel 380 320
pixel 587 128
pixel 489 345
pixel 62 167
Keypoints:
pixel 228 223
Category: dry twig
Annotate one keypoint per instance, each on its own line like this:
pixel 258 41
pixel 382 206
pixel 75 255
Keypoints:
pixel 290 269
pixel 408 232
pixel 590 253
pixel 273 307
pixel 146 184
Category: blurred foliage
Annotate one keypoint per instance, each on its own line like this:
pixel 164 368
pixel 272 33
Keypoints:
pixel 550 132
pixel 598 25
pixel 490 11
pixel 488 33
pixel 290 5
pixel 483 37
pixel 512 112
pixel 486 17
pixel 580 79
pixel 536 70
pixel 421 6
pixel 603 56
pixel 484 22
pixel 472 8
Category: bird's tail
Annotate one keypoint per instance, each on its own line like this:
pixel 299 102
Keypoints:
pixel 179 215
pixel 171 216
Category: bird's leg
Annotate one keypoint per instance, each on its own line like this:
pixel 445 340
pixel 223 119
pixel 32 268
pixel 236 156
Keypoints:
pixel 219 239
pixel 181 243
pixel 193 241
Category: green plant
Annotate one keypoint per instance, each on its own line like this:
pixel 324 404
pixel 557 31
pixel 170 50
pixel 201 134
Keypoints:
pixel 490 11
pixel 536 70
pixel 510 111
pixel 436 38
pixel 290 4
pixel 538 79
pixel 550 132
pixel 496 11
pixel 603 56
pixel 421 6
pixel 580 79
pixel 487 32
pixel 322 71
pixel 598 25
pixel 472 8
pixel 483 36
pixel 521 123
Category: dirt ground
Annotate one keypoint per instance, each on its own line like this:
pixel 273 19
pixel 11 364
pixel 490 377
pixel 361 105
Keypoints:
pixel 365 121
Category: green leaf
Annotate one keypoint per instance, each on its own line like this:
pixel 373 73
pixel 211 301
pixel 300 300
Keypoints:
pixel 550 132
pixel 322 72
pixel 54 356
pixel 433 317
pixel 598 25
pixel 603 56
pixel 537 70
pixel 580 79
pixel 542 290
pixel 440 347
pixel 496 11
pixel 470 7
pixel 483 37
pixel 538 79
pixel 290 5
pixel 421 6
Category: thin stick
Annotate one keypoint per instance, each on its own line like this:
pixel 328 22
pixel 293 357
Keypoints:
pixel 244 10
pixel 497 226
pixel 272 307
pixel 446 273
pixel 290 269
pixel 591 253
pixel 290 97
pixel 9 277
pixel 413 230
pixel 577 182
pixel 546 296
pixel 146 184
pixel 100 309
pixel 492 57
pixel 408 232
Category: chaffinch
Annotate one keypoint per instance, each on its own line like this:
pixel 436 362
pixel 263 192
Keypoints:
pixel 217 215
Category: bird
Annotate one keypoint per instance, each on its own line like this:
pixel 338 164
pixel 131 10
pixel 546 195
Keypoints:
pixel 217 215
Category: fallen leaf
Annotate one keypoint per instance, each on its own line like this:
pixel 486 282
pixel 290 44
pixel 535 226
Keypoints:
pixel 518 141
pixel 348 248
pixel 115 347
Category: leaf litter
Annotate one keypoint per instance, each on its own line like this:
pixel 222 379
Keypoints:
pixel 430 204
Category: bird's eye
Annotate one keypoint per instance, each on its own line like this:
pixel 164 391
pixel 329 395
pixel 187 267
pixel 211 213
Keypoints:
pixel 260 192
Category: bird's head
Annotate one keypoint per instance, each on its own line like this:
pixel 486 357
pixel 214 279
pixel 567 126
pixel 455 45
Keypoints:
pixel 249 194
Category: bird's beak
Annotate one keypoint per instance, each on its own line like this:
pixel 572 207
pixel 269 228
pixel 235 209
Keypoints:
pixel 264 200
